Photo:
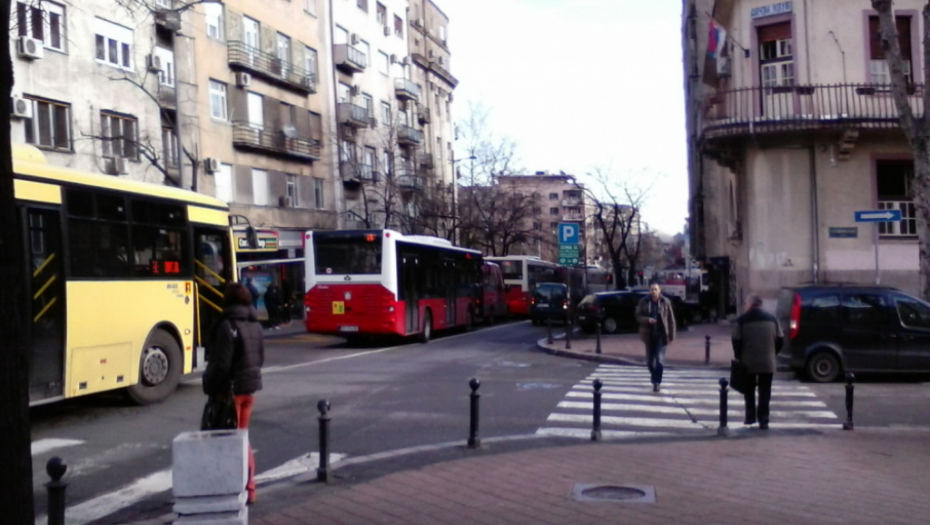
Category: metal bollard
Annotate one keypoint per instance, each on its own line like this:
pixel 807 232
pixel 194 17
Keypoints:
pixel 473 440
pixel 56 491
pixel 568 333
pixel 722 429
pixel 848 424
pixel 322 472
pixel 706 349
pixel 597 331
pixel 596 431
pixel 549 339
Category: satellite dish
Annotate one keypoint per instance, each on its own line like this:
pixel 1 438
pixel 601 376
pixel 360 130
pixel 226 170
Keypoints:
pixel 290 131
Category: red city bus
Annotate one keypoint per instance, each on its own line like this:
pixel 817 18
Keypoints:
pixel 380 282
pixel 521 273
pixel 491 304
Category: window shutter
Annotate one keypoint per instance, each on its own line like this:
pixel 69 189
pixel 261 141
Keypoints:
pixel 770 33
pixel 903 24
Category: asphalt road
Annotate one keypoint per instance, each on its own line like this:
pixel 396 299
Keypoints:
pixel 382 398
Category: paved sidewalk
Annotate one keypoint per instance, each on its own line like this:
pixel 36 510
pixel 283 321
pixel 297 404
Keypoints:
pixel 688 349
pixel 754 476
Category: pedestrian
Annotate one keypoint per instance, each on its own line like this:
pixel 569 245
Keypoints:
pixel 252 290
pixel 237 352
pixel 273 306
pixel 757 337
pixel 657 330
pixel 287 298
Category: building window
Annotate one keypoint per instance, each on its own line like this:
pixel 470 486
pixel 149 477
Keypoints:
pixel 386 113
pixel 776 62
pixel 895 186
pixel 169 141
pixel 283 54
pixel 213 13
pixel 50 125
pixel 387 163
pixel 259 187
pixel 381 13
pixel 223 180
pixel 310 7
pixel 318 185
pixel 113 44
pixel 166 73
pixel 553 211
pixel 398 27
pixel 384 63
pixel 371 155
pixel 291 190
pixel 310 61
pixel 553 196
pixel 118 133
pixel 363 5
pixel 346 151
pixel 368 103
pixel 878 66
pixel 218 102
pixel 45 22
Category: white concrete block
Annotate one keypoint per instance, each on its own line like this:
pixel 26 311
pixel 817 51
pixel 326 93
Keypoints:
pixel 206 504
pixel 210 463
pixel 218 518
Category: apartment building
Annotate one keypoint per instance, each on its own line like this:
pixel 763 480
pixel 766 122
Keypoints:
pixel 106 89
pixel 791 130
pixel 262 119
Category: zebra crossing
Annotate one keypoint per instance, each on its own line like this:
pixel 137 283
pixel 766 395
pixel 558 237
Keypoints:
pixel 689 403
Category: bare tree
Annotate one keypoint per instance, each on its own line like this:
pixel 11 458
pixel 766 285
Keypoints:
pixel 915 127
pixel 16 505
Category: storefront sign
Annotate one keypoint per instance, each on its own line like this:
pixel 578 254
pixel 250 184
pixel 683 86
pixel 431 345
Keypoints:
pixel 769 10
pixel 267 241
pixel 844 233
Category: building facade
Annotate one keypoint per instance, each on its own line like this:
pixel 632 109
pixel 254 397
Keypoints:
pixel 791 131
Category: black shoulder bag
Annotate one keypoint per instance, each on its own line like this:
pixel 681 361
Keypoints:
pixel 219 413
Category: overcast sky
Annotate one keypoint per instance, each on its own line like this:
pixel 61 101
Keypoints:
pixel 579 85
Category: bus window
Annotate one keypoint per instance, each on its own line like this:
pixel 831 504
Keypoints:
pixel 357 255
pixel 512 269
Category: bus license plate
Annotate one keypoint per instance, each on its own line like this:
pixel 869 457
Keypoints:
pixel 348 329
pixel 339 307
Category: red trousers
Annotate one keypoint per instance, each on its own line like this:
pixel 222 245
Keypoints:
pixel 244 412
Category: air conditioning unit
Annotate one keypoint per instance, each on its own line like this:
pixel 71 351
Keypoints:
pixel 243 80
pixel 355 91
pixel 393 59
pixel 212 165
pixel 30 48
pixel 372 122
pixel 353 40
pixel 118 166
pixel 286 202
pixel 387 31
pixel 20 107
pixel 153 63
pixel 418 22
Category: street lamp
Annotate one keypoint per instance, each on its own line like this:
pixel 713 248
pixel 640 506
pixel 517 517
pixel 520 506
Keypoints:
pixel 455 191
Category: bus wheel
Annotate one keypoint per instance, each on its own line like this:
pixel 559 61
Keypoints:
pixel 427 328
pixel 159 369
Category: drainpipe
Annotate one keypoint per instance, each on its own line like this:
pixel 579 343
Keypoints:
pixel 339 204
pixel 815 217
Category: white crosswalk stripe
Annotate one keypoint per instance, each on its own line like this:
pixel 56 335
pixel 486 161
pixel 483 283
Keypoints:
pixel 688 403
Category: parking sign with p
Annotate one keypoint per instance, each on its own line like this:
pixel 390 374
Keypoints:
pixel 569 233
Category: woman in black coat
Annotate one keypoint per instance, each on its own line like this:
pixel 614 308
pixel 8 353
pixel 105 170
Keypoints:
pixel 236 354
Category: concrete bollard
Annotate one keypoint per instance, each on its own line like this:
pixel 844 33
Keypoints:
pixel 56 469
pixel 549 339
pixel 596 430
pixel 209 473
pixel 848 424
pixel 473 440
pixel 597 344
pixel 722 429
pixel 706 349
pixel 322 471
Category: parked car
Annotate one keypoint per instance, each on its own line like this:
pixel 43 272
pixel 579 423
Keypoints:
pixel 549 301
pixel 831 329
pixel 616 311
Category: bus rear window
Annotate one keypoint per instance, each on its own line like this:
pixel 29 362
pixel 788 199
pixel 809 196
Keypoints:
pixel 512 269
pixel 355 256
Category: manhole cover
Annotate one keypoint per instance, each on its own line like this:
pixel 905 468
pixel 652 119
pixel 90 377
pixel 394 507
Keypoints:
pixel 613 493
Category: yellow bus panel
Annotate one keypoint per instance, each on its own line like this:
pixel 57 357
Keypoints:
pixel 207 216
pixel 37 191
pixel 107 317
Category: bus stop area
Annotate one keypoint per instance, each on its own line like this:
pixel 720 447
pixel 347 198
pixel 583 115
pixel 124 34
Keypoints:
pixel 688 349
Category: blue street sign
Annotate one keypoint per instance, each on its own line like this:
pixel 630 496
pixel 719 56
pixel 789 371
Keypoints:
pixel 569 233
pixel 878 216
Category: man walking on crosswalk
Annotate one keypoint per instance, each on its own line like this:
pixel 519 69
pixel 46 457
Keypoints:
pixel 656 329
pixel 756 339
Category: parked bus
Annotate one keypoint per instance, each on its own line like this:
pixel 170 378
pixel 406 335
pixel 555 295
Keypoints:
pixel 122 275
pixel 491 303
pixel 521 273
pixel 599 279
pixel 380 282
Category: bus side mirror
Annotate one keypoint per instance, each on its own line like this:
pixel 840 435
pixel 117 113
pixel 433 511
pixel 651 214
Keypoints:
pixel 251 237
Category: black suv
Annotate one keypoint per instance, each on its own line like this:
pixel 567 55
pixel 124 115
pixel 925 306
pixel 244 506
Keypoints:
pixel 616 311
pixel 550 301
pixel 831 329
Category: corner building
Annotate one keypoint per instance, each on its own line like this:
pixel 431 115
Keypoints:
pixel 791 130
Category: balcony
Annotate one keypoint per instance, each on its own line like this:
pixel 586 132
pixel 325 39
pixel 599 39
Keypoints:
pixel 273 69
pixel 803 108
pixel 167 96
pixel 349 59
pixel 427 161
pixel 409 182
pixel 405 89
pixel 423 114
pixel 410 137
pixel 349 114
pixel 573 216
pixel 354 172
pixel 571 203
pixel 275 141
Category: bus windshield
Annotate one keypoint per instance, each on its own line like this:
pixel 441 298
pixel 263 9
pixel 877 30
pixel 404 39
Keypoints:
pixel 358 255
pixel 512 270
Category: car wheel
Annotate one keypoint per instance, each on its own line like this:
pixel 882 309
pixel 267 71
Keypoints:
pixel 610 325
pixel 823 367
pixel 159 369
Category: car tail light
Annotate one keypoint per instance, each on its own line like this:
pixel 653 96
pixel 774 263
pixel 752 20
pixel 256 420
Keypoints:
pixel 565 305
pixel 794 322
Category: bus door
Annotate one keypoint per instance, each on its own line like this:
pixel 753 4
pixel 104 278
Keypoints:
pixel 450 281
pixel 47 303
pixel 212 258
pixel 409 276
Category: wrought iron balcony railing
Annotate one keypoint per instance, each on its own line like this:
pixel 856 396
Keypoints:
pixel 409 182
pixel 405 89
pixel 349 59
pixel 789 108
pixel 352 171
pixel 349 114
pixel 407 136
pixel 275 141
pixel 270 67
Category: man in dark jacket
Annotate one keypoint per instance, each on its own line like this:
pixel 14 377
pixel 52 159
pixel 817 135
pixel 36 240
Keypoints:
pixel 756 339
pixel 237 356
pixel 656 329
pixel 273 305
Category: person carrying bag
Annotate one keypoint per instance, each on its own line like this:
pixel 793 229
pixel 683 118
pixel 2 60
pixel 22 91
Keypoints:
pixel 236 355
pixel 757 337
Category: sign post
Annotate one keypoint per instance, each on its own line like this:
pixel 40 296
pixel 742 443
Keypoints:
pixel 877 216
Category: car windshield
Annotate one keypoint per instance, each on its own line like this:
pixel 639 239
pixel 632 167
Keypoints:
pixel 550 292
pixel 588 300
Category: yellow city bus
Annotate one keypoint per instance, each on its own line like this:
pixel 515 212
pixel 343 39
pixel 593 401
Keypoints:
pixel 122 276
